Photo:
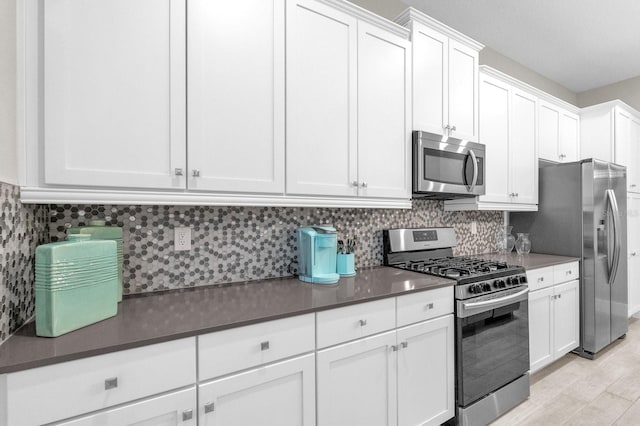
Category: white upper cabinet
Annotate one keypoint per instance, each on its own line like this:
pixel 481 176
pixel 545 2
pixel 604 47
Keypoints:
pixel 321 93
pixel 611 132
pixel 236 96
pixel 445 77
pixel 559 133
pixel 384 113
pixel 113 109
pixel 508 130
pixel 348 126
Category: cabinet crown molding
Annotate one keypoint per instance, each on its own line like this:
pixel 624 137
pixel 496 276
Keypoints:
pixel 609 105
pixel 367 16
pixel 411 14
pixel 487 70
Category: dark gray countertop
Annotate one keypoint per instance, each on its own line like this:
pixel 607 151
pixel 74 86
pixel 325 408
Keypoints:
pixel 528 261
pixel 159 317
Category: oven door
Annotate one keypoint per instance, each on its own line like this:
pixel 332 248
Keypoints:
pixel 492 338
pixel 450 167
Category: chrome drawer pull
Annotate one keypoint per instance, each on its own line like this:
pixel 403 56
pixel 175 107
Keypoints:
pixel 179 171
pixel 187 415
pixel 111 383
pixel 208 408
pixel 428 306
pixel 541 279
pixel 394 348
pixel 264 346
pixel 404 344
pixel 568 272
pixel 363 322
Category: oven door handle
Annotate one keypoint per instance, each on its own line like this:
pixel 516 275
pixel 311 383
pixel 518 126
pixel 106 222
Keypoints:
pixel 499 301
pixel 474 181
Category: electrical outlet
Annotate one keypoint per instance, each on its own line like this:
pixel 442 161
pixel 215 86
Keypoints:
pixel 474 227
pixel 182 238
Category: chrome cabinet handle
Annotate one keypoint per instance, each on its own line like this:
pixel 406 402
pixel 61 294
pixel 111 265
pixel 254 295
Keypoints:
pixel 562 156
pixel 394 348
pixel 209 407
pixel 196 173
pixel 264 346
pixel 633 253
pixel 354 183
pixel 633 185
pixel 178 171
pixel 453 128
pixel 364 184
pixel 541 279
pixel 111 383
pixel 363 322
pixel 428 306
pixel 187 415
pixel 404 344
pixel 560 296
pixel 569 272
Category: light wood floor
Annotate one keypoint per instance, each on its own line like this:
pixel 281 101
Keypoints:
pixel 577 391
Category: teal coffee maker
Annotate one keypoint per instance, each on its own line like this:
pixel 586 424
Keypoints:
pixel 317 249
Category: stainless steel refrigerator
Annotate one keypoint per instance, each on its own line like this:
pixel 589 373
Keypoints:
pixel 582 212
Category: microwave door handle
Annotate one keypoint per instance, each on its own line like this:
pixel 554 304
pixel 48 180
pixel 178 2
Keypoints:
pixel 475 170
pixel 615 213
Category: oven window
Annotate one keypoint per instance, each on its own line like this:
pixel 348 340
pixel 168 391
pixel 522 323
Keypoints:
pixel 493 350
pixel 450 167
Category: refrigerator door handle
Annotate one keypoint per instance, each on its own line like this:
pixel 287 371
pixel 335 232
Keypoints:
pixel 613 202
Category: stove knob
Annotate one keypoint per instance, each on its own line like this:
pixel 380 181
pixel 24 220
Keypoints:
pixel 500 283
pixel 486 287
pixel 511 281
pixel 472 289
pixel 523 279
pixel 496 284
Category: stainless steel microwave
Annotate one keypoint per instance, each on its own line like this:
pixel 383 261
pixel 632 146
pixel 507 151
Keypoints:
pixel 447 168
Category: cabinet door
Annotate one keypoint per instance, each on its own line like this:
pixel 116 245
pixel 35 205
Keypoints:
pixel 384 110
pixel 569 139
pixel 114 101
pixel 430 78
pixel 281 394
pixel 357 383
pixel 633 244
pixel 633 168
pixel 494 133
pixel 523 161
pixel 548 131
pixel 177 408
pixel 236 96
pixel 321 100
pixel 622 144
pixel 541 349
pixel 426 372
pixel 566 318
pixel 463 91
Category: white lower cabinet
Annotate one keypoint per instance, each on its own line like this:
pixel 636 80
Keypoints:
pixel 75 388
pixel 633 247
pixel 403 377
pixel 386 362
pixel 554 316
pixel 281 394
pixel 426 378
pixel 173 409
pixel 357 382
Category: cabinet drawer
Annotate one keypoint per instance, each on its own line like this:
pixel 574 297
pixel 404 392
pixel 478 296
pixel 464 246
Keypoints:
pixel 236 349
pixel 352 322
pixel 56 392
pixel 540 278
pixel 566 272
pixel 425 305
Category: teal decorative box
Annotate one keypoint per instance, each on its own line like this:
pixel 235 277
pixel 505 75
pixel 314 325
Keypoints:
pixel 99 231
pixel 76 284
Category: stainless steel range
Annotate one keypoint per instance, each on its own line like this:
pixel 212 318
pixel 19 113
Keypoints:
pixel 492 320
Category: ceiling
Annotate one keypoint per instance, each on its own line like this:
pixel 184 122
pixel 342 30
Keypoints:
pixel 580 44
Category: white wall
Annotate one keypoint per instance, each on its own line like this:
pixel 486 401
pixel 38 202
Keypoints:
pixel 627 91
pixel 8 160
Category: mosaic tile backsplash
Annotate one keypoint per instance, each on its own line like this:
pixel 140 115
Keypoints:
pixel 246 243
pixel 22 229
